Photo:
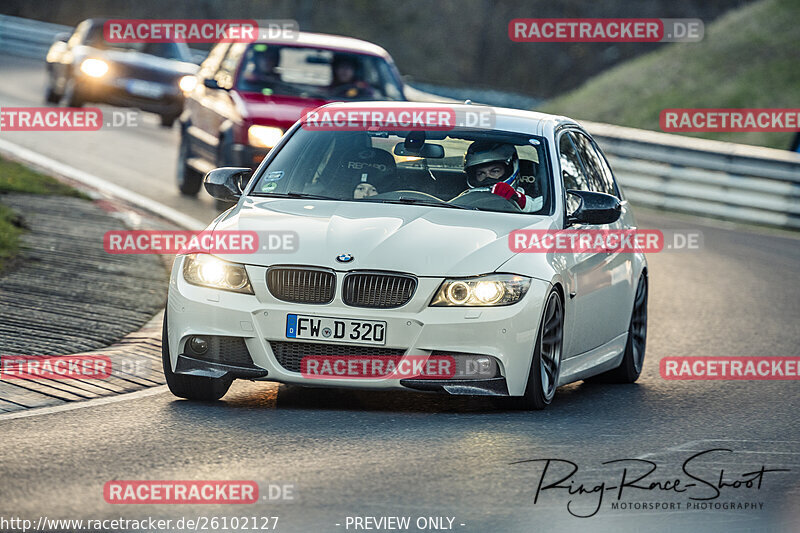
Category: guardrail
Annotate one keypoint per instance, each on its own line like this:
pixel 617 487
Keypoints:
pixel 27 37
pixel 709 178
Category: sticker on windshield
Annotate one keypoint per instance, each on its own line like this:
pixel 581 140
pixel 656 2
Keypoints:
pixel 274 175
pixel 269 186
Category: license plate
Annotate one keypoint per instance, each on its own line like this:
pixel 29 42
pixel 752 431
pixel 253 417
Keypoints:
pixel 335 329
pixel 145 88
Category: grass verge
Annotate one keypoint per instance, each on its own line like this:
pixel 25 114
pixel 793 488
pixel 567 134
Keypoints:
pixel 747 59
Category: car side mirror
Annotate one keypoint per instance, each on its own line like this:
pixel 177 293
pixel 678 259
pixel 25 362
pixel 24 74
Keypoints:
pixel 594 208
pixel 226 183
pixel 211 83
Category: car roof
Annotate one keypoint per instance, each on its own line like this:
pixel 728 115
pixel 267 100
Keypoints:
pixel 331 42
pixel 505 119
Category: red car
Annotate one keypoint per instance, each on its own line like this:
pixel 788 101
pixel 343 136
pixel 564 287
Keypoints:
pixel 248 94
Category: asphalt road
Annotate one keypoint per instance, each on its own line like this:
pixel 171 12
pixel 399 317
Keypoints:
pixel 378 454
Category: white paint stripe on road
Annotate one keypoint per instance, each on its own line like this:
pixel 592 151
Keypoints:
pixel 51 165
pixel 40 411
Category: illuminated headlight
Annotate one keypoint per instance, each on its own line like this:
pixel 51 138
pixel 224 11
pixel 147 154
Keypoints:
pixel 264 136
pixel 209 271
pixel 187 83
pixel 491 290
pixel 96 68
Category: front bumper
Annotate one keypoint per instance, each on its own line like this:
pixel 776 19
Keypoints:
pixel 505 333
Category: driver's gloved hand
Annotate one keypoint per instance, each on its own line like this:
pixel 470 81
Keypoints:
pixel 509 193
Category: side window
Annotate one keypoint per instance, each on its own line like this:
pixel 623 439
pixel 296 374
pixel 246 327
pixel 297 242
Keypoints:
pixel 600 177
pixel 571 170
pixel 612 183
pixel 227 69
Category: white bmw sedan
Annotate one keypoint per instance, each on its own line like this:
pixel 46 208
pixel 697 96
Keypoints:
pixel 407 270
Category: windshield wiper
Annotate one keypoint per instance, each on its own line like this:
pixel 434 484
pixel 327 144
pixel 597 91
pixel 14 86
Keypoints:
pixel 417 201
pixel 294 195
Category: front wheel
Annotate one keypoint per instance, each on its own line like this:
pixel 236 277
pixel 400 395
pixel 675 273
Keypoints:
pixel 189 180
pixel 51 95
pixel 168 120
pixel 190 387
pixel 632 362
pixel 72 96
pixel 546 364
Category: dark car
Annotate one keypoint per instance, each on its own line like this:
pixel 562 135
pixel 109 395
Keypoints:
pixel 249 94
pixel 85 68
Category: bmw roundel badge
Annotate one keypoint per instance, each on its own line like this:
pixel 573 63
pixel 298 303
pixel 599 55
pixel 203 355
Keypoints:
pixel 344 258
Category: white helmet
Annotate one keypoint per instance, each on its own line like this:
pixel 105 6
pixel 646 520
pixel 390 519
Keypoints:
pixel 483 152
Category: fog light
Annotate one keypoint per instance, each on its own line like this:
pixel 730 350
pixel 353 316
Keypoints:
pixel 484 365
pixel 198 345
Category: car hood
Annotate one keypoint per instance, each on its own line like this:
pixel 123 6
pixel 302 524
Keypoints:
pixel 274 109
pixel 425 241
pixel 140 62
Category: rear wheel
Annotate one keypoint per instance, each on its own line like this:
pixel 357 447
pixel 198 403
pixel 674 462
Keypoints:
pixel 189 180
pixel 190 387
pixel 546 364
pixel 633 360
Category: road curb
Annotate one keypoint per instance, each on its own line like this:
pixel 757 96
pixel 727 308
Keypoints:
pixel 18 396
pixel 143 345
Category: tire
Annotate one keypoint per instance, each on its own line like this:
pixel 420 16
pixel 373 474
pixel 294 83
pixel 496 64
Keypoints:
pixel 630 368
pixel 72 96
pixel 51 96
pixel 546 363
pixel 168 120
pixel 190 387
pixel 189 180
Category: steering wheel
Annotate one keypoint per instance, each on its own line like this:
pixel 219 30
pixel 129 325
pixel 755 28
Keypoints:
pixel 487 200
pixel 360 91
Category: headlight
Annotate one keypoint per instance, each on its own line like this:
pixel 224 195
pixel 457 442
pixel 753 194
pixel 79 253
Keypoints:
pixel 96 68
pixel 187 83
pixel 209 271
pixel 264 136
pixel 491 290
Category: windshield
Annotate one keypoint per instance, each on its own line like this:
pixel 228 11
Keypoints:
pixel 177 51
pixel 420 167
pixel 317 73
